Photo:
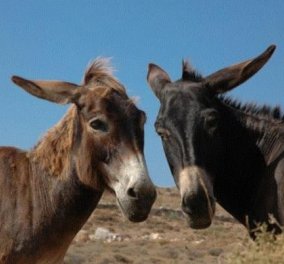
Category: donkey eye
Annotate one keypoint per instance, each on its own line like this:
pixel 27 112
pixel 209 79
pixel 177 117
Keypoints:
pixel 211 121
pixel 210 118
pixel 163 133
pixel 99 124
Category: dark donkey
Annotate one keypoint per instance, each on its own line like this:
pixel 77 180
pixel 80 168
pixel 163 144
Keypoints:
pixel 220 149
pixel 48 193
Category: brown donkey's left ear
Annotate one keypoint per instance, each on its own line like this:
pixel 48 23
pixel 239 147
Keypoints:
pixel 55 91
pixel 228 78
pixel 157 78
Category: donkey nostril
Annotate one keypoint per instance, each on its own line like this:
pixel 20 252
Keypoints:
pixel 131 192
pixel 186 206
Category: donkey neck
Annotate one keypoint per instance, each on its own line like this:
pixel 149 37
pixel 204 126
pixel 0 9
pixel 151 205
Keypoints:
pixel 267 135
pixel 264 126
pixel 251 151
pixel 61 202
pixel 53 153
pixel 53 164
pixel 243 162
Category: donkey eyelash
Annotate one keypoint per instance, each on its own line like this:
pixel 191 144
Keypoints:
pixel 163 133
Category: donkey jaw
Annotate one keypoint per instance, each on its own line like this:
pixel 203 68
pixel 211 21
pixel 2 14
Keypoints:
pixel 197 223
pixel 134 212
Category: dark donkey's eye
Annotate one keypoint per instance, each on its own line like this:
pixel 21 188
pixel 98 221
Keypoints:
pixel 100 125
pixel 163 133
pixel 210 117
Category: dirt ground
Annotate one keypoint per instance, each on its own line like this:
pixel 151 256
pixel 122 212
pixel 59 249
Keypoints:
pixel 163 238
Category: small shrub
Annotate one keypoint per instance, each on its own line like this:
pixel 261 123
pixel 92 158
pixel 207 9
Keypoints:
pixel 266 249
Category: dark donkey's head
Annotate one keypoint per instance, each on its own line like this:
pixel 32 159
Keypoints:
pixel 107 136
pixel 189 123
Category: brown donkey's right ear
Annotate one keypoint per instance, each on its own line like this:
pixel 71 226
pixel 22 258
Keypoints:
pixel 157 78
pixel 55 91
pixel 230 77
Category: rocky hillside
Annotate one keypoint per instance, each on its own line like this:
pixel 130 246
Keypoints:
pixel 164 238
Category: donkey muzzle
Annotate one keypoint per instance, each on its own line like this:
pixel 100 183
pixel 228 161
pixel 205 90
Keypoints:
pixel 197 199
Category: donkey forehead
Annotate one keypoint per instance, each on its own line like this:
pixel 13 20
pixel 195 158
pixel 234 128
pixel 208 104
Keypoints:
pixel 182 97
pixel 183 90
pixel 183 105
pixel 109 101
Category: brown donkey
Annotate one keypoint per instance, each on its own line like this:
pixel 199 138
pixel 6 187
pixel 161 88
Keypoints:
pixel 48 193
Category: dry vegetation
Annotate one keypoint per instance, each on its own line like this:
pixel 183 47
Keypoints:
pixel 165 238
pixel 265 250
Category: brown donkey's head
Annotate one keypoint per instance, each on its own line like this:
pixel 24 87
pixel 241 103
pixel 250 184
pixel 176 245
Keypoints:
pixel 108 139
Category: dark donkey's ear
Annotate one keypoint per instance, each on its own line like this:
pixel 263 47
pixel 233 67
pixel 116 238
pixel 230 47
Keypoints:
pixel 157 78
pixel 228 78
pixel 54 91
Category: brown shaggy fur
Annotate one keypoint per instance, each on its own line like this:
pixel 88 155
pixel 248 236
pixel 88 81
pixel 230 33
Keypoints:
pixel 53 150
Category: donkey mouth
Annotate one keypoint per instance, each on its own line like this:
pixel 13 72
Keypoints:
pixel 134 211
pixel 197 222
pixel 136 218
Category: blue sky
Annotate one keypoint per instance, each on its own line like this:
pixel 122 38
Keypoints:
pixel 57 39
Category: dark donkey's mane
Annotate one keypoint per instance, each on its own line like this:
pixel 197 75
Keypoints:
pixel 260 112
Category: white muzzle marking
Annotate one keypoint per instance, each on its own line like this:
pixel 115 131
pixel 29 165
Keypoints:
pixel 132 171
pixel 192 176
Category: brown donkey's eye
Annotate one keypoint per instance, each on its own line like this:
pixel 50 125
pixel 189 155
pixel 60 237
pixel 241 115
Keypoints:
pixel 99 125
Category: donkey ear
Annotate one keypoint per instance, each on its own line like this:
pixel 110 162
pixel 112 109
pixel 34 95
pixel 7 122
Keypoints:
pixel 228 78
pixel 54 91
pixel 157 78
